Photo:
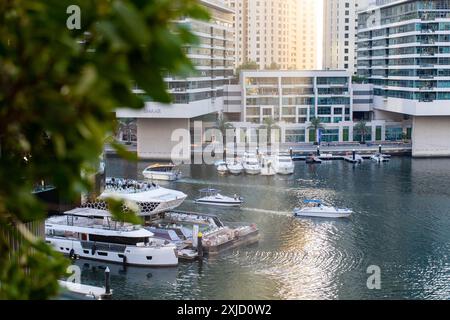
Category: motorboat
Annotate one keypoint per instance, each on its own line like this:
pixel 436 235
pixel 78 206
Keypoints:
pixel 222 168
pixel 94 234
pixel 267 167
pixel 315 208
pixel 213 197
pixel 283 164
pixel 378 157
pixel 235 167
pixel 167 172
pixel 150 197
pixel 251 164
pixel 311 159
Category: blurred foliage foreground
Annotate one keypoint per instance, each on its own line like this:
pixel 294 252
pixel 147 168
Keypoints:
pixel 59 89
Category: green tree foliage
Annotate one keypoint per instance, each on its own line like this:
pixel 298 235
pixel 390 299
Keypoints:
pixel 269 124
pixel 249 65
pixel 362 130
pixel 316 125
pixel 223 125
pixel 59 89
pixel 273 66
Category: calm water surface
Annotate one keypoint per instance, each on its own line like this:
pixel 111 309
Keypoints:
pixel 401 224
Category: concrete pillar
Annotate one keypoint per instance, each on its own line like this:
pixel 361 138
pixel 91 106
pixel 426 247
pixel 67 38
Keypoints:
pixel 430 136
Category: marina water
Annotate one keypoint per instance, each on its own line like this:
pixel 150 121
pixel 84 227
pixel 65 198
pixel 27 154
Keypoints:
pixel 401 224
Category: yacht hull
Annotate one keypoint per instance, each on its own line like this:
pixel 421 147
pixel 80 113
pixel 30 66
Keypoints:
pixel 319 214
pixel 172 176
pixel 219 203
pixel 135 256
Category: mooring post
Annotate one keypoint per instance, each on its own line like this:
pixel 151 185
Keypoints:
pixel 291 152
pixel 354 154
pixel 200 245
pixel 318 151
pixel 379 149
pixel 108 293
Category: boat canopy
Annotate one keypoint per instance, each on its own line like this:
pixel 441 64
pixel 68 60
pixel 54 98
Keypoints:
pixel 161 165
pixel 312 201
pixel 209 190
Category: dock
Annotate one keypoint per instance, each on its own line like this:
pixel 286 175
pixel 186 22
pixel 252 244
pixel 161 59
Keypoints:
pixel 81 291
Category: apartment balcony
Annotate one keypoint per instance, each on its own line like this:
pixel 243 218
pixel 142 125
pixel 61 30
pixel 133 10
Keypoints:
pixel 426 76
pixel 427 88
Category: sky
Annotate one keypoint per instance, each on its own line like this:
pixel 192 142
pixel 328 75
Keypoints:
pixel 319 33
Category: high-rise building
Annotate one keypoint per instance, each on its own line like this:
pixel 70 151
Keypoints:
pixel 404 51
pixel 340 30
pixel 198 96
pixel 282 32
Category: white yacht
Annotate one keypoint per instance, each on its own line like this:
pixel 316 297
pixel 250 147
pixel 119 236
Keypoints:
pixel 165 172
pixel 213 197
pixel 93 234
pixel 283 164
pixel 315 208
pixel 235 167
pixel 267 166
pixel 251 164
pixel 378 157
pixel 222 167
pixel 150 198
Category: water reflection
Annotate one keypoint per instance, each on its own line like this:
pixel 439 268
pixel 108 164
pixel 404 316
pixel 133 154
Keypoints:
pixel 401 223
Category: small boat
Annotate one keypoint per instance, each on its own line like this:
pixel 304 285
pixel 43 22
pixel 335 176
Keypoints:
pixel 378 157
pixel 315 208
pixel 251 164
pixel 313 159
pixel 283 164
pixel 235 167
pixel 213 197
pixel 162 172
pixel 222 168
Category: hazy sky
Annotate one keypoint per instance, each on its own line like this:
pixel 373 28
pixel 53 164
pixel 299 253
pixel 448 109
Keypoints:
pixel 319 32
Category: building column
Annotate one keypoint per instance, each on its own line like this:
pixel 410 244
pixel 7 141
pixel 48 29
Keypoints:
pixel 341 133
pixel 350 132
pixel 374 131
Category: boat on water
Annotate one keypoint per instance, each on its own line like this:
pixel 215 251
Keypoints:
pixel 378 157
pixel 283 164
pixel 315 208
pixel 222 168
pixel 311 159
pixel 251 164
pixel 213 197
pixel 267 168
pixel 150 197
pixel 235 167
pixel 93 234
pixel 167 172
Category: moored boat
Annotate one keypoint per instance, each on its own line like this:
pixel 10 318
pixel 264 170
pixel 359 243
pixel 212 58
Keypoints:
pixel 94 234
pixel 251 164
pixel 235 167
pixel 283 164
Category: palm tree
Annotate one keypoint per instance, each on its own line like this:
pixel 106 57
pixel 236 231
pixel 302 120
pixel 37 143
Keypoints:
pixel 361 129
pixel 269 124
pixel 127 126
pixel 223 125
pixel 316 124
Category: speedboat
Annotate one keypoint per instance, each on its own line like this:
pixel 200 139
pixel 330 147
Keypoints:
pixel 213 197
pixel 235 167
pixel 162 172
pixel 313 159
pixel 315 208
pixel 283 164
pixel 94 234
pixel 378 157
pixel 222 168
pixel 251 164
